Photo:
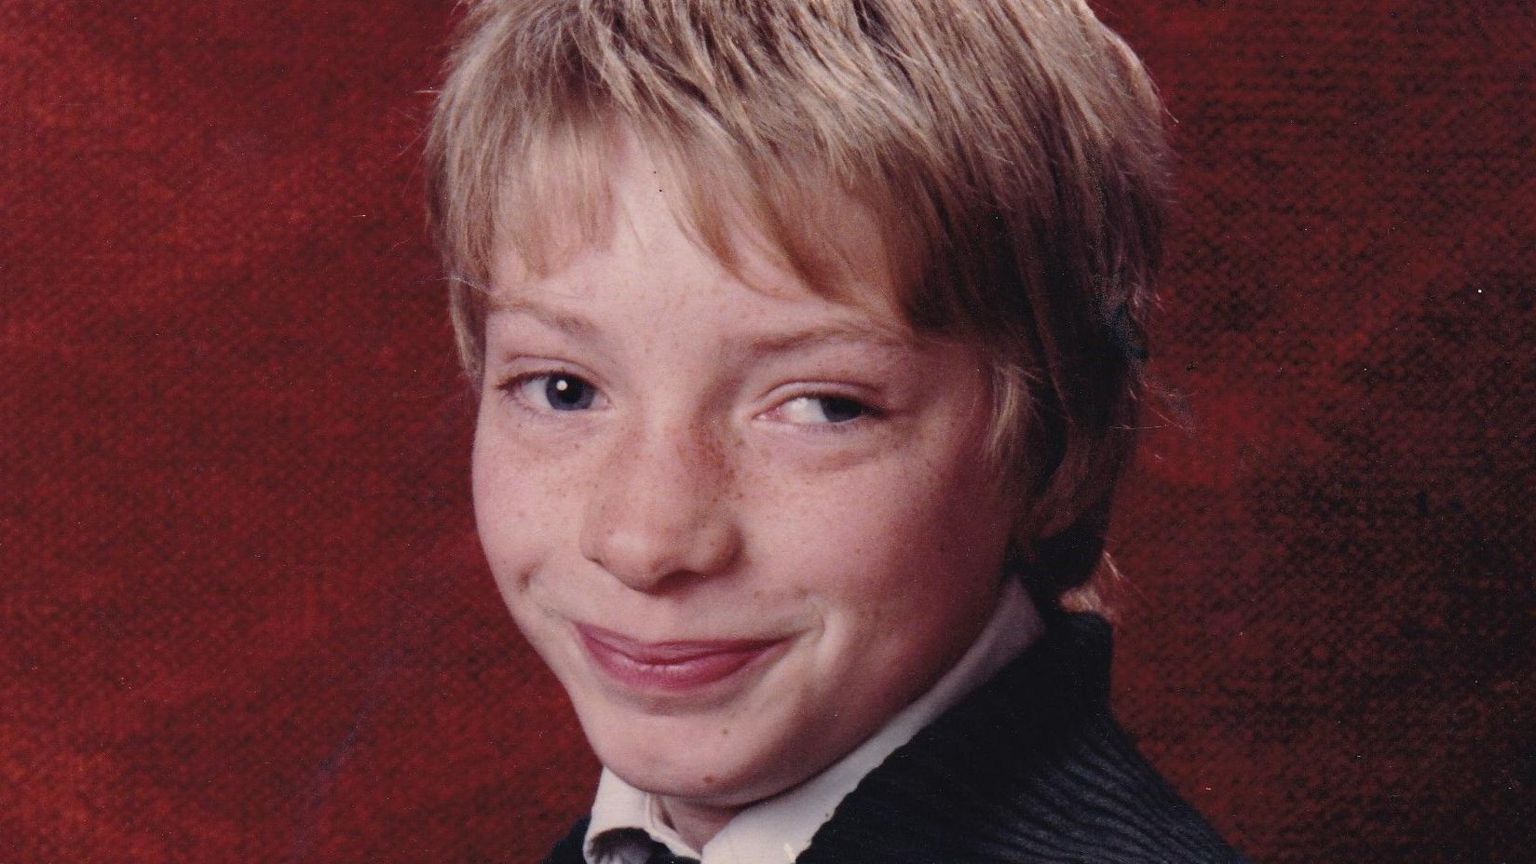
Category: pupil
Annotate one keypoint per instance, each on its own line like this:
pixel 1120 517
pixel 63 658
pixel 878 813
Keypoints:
pixel 841 410
pixel 567 394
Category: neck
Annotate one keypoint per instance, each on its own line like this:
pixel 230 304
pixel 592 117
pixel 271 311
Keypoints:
pixel 696 823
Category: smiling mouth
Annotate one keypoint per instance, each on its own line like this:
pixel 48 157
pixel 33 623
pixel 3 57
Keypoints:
pixel 670 667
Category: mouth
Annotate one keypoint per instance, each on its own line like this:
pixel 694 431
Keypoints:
pixel 674 668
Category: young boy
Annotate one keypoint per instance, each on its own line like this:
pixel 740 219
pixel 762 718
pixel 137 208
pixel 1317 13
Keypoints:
pixel 808 341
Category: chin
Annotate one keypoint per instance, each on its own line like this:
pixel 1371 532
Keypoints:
pixel 695 760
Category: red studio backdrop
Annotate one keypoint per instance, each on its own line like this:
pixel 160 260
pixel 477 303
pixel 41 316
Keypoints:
pixel 243 613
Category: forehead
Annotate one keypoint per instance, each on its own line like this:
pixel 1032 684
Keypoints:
pixel 799 232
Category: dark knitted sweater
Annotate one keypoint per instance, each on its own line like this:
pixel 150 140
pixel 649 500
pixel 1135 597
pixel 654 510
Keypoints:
pixel 1029 767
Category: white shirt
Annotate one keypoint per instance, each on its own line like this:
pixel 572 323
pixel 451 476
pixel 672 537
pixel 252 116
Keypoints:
pixel 777 830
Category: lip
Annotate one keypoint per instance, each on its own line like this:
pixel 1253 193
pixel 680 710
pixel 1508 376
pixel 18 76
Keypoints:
pixel 676 668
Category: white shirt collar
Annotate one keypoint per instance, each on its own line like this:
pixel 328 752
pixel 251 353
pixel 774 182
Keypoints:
pixel 777 830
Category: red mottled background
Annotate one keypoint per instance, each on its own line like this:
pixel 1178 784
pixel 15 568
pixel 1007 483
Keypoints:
pixel 243 615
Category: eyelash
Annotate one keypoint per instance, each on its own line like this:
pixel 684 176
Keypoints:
pixel 515 388
pixel 866 412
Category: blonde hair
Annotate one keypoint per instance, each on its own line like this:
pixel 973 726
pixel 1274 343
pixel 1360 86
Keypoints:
pixel 1011 151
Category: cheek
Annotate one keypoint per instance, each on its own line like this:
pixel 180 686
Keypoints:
pixel 517 519
pixel 892 544
pixel 511 502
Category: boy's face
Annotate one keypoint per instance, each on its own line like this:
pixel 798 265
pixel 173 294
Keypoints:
pixel 744 525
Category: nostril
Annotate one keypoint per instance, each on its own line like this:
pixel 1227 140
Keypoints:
pixel 643 544
pixel 645 560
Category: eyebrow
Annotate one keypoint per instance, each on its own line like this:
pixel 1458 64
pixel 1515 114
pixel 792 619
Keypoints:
pixel 572 325
pixel 824 335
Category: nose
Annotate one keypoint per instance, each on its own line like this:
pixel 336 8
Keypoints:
pixel 660 511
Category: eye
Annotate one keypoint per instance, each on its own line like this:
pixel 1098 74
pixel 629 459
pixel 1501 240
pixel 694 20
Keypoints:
pixel 556 391
pixel 822 410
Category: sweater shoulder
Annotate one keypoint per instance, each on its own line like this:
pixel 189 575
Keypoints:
pixel 569 849
pixel 1030 767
